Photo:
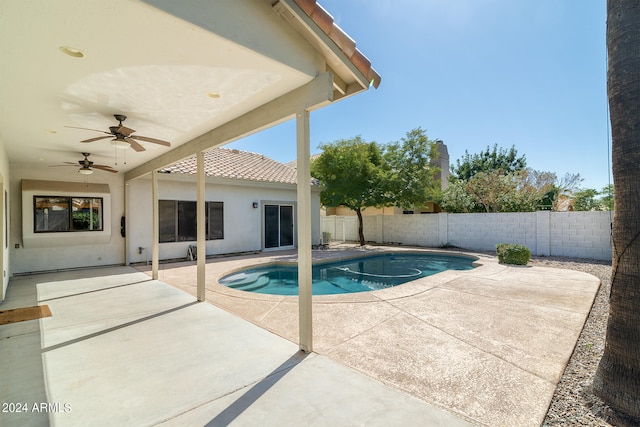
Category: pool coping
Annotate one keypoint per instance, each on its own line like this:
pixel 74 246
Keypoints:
pixel 403 290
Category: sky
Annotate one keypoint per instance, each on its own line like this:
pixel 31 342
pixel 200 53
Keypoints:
pixel 524 73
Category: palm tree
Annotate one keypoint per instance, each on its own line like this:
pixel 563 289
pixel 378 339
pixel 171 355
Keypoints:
pixel 617 379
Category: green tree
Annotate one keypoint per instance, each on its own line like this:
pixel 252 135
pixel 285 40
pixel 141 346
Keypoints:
pixel 410 175
pixel 488 160
pixel 520 191
pixel 606 201
pixel 455 198
pixel 491 189
pixel 533 189
pixel 352 174
pixel 359 174
pixel 585 200
pixel 617 380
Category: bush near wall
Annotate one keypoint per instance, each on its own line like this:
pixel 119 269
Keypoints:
pixel 513 254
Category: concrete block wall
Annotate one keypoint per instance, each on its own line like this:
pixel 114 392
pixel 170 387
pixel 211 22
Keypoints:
pixel 581 234
pixel 483 231
pixel 574 234
pixel 421 230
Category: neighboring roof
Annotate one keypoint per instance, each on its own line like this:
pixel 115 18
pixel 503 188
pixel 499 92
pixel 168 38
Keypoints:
pixel 325 21
pixel 236 164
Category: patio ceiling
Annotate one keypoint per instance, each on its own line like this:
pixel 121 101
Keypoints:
pixel 177 70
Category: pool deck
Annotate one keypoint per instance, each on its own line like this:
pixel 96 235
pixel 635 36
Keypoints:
pixel 479 347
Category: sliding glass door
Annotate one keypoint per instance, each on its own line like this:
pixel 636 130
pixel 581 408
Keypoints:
pixel 278 226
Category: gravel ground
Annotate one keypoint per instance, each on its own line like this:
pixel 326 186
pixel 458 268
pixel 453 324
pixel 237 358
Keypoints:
pixel 574 403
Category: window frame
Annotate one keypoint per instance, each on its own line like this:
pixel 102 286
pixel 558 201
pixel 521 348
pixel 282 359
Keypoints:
pixel 70 213
pixel 177 220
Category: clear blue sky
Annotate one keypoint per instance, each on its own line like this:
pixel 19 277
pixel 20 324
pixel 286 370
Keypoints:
pixel 529 73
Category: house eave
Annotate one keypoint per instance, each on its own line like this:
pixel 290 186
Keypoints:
pixel 352 70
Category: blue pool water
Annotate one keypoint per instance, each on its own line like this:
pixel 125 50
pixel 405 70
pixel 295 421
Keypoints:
pixel 347 276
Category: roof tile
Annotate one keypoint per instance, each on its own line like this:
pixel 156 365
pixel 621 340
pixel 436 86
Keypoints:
pixel 236 164
pixel 324 20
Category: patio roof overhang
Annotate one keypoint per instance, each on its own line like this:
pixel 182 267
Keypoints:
pixel 194 72
pixel 197 74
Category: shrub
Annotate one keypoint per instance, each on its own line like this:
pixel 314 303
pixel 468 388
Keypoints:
pixel 513 254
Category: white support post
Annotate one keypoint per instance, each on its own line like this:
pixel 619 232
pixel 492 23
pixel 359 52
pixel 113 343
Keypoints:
pixel 126 228
pixel 155 221
pixel 201 224
pixel 304 231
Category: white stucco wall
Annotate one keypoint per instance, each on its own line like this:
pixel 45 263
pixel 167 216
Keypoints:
pixel 242 223
pixel 63 253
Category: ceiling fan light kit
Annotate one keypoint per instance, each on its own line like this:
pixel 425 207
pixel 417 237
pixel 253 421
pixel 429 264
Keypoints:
pixel 120 143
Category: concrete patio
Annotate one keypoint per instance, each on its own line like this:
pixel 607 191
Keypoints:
pixel 485 347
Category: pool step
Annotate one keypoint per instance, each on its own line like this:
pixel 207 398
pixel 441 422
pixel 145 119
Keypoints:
pixel 242 279
pixel 247 281
pixel 257 284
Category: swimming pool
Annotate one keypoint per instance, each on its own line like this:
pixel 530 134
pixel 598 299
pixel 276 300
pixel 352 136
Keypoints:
pixel 363 274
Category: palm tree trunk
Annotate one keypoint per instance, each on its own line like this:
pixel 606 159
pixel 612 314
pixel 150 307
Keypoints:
pixel 617 379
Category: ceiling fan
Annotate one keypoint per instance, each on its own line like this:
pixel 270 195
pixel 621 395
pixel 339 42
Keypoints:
pixel 122 135
pixel 87 166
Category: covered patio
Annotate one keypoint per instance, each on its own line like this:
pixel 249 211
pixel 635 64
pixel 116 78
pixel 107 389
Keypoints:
pixel 123 349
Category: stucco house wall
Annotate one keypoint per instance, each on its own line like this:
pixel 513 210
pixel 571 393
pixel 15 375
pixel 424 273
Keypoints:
pixel 243 224
pixel 56 251
pixel 5 180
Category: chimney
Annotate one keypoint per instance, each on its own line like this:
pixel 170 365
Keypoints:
pixel 442 162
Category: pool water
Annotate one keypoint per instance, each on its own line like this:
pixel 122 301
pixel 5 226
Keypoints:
pixel 347 276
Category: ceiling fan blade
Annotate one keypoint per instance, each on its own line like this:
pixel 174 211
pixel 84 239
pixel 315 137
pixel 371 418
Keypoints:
pixel 154 140
pixel 134 144
pixel 97 138
pixel 125 130
pixel 104 168
pixel 96 130
pixel 56 166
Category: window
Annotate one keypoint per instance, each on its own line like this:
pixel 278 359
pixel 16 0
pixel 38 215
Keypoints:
pixel 63 214
pixel 178 221
pixel 215 224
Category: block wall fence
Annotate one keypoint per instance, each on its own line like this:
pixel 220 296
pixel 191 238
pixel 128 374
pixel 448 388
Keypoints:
pixel 572 234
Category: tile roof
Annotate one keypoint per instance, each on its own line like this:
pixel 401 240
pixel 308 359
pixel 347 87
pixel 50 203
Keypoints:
pixel 325 21
pixel 294 163
pixel 236 164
